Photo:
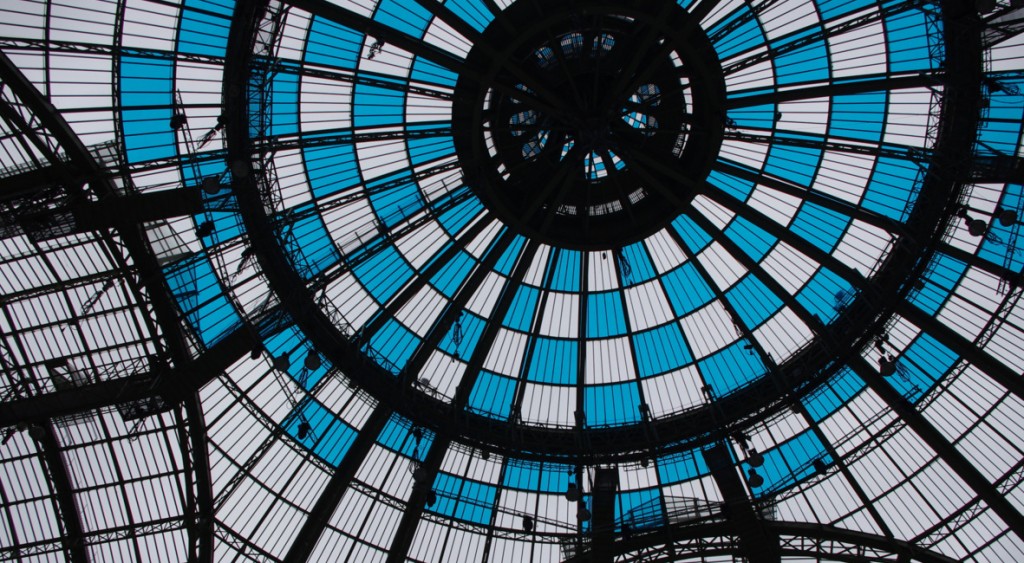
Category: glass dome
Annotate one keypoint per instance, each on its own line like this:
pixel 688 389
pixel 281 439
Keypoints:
pixel 511 280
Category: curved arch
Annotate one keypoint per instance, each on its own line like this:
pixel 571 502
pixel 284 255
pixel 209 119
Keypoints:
pixel 794 538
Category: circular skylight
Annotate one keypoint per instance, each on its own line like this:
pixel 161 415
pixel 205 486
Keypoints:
pixel 567 220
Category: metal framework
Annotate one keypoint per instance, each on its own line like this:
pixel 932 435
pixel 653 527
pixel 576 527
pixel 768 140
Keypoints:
pixel 269 291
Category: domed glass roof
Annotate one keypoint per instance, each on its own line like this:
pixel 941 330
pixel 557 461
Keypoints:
pixel 416 269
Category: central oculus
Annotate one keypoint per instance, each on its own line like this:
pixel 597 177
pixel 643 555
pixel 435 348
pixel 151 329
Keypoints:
pixel 589 125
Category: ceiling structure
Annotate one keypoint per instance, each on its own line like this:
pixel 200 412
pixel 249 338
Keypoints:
pixel 504 280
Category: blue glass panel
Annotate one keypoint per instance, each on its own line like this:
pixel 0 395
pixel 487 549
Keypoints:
pixel 553 361
pixel 407 17
pixel 758 117
pixel 426 71
pixel 522 475
pixel 999 136
pixel 451 276
pixel 284 103
pixel 328 437
pixel 736 187
pixel 796 164
pixel 646 503
pixel 566 276
pixel 693 236
pixel 835 8
pixel 395 343
pixel 752 240
pixel 660 350
pixel 383 273
pixel 427 149
pixel 456 218
pixel 635 265
pixel 687 290
pixel 680 467
pixel 446 488
pixel 858 116
pixel 463 499
pixel 742 37
pixel 509 257
pixel 731 368
pixel 806 64
pixel 605 315
pixel 492 395
pixel 374 106
pixel 147 132
pixel 891 188
pixel 613 404
pixel 753 301
pixel 820 226
pixel 826 400
pixel 331 169
pixel 472 12
pixel 923 363
pixel 204 27
pixel 397 437
pixel 196 289
pixel 907 46
pixel 826 294
pixel 555 477
pixel 308 244
pixel 524 305
pixel 472 329
pixel 333 45
pixel 396 203
pixel 790 462
pixel 944 272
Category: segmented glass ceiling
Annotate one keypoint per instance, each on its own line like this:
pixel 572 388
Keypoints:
pixel 459 206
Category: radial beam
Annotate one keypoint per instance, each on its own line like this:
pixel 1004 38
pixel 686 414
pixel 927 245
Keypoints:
pixel 441 327
pixel 946 452
pixel 432 269
pixel 334 491
pixel 417 500
pixel 774 373
pixel 428 470
pixel 73 539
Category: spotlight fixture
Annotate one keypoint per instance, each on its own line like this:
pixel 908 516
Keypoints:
pixel 754 480
pixel 572 494
pixel 528 523
pixel 303 429
pixel 312 361
pixel 211 185
pixel 755 459
pixel 887 365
